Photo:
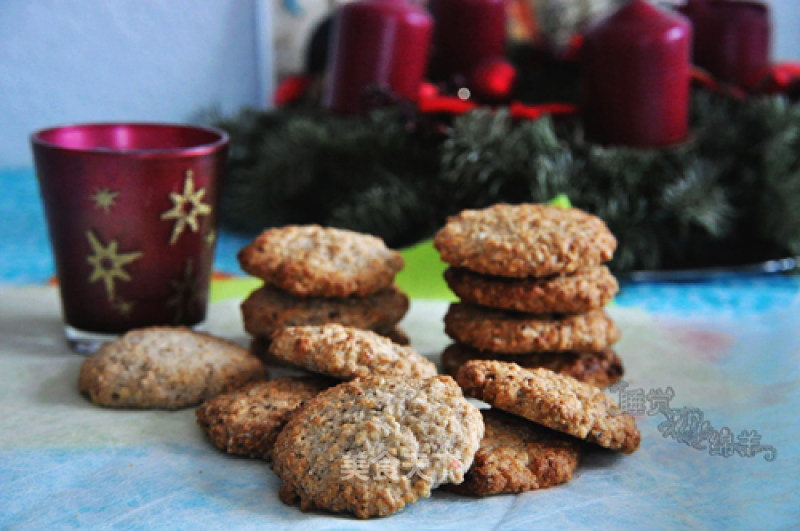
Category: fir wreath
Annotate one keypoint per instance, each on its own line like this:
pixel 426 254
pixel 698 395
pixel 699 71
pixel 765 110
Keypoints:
pixel 729 195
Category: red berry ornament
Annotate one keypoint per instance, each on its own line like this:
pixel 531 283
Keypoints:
pixel 493 80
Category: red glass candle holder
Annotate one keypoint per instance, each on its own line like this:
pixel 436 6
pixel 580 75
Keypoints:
pixel 731 39
pixel 131 211
pixel 376 44
pixel 636 71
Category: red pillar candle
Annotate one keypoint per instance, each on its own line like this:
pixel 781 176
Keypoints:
pixel 466 34
pixel 377 44
pixel 635 65
pixel 731 39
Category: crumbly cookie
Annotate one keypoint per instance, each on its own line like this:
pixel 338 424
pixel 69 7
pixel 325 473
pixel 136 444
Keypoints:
pixel 165 368
pixel 553 400
pixel 517 455
pixel 309 260
pixel 268 308
pixel 578 292
pixel 347 353
pixel 600 368
pixel 520 333
pixel 246 421
pixel 396 334
pixel 525 240
pixel 375 444
pixel 259 346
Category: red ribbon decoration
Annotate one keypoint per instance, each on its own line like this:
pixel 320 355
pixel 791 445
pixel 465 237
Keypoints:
pixel 291 90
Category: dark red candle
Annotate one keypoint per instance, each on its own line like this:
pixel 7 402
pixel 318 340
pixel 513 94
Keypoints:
pixel 635 65
pixel 731 39
pixel 379 44
pixel 466 34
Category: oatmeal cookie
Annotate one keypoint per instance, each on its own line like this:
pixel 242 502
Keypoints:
pixel 578 292
pixel 375 444
pixel 600 368
pixel 309 260
pixel 553 400
pixel 259 346
pixel 246 421
pixel 347 353
pixel 525 240
pixel 165 368
pixel 268 308
pixel 520 333
pixel 396 334
pixel 517 455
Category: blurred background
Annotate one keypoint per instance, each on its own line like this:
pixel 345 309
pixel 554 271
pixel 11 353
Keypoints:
pixel 166 60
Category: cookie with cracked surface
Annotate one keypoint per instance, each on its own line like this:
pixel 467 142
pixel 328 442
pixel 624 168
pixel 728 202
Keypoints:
pixel 578 292
pixel 268 309
pixel 374 445
pixel 520 333
pixel 600 368
pixel 347 353
pixel 246 421
pixel 309 260
pixel 525 240
pixel 553 400
pixel 165 368
pixel 517 455
pixel 259 346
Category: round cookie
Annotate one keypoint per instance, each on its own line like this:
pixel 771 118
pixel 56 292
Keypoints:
pixel 396 334
pixel 600 368
pixel 375 444
pixel 578 292
pixel 559 402
pixel 165 368
pixel 309 260
pixel 347 353
pixel 246 421
pixel 268 309
pixel 517 455
pixel 524 240
pixel 523 333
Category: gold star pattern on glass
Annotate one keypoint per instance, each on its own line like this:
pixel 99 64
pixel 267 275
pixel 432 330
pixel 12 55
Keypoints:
pixel 186 208
pixel 108 263
pixel 185 294
pixel 211 237
pixel 124 307
pixel 104 199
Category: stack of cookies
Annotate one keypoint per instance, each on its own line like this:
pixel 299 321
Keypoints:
pixel 532 286
pixel 317 275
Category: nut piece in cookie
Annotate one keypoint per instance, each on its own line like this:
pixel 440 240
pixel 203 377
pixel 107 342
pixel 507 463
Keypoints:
pixel 165 368
pixel 373 445
pixel 268 308
pixel 246 421
pixel 517 455
pixel 525 240
pixel 309 260
pixel 520 333
pixel 578 292
pixel 600 368
pixel 553 400
pixel 347 353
